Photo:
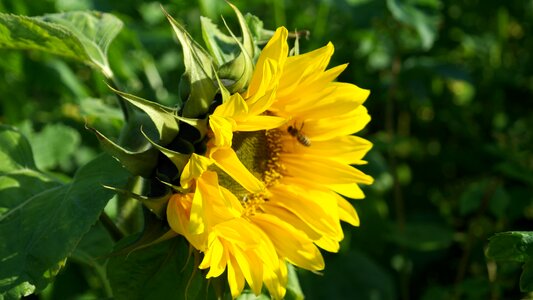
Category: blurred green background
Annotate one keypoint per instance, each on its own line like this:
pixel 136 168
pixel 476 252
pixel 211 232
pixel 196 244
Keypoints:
pixel 452 111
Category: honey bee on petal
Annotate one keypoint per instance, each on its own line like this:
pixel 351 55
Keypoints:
pixel 300 137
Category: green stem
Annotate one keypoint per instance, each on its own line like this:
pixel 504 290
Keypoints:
pixel 111 227
pixel 121 102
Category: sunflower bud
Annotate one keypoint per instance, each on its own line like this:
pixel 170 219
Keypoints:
pixel 234 56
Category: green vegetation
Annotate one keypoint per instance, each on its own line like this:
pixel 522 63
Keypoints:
pixel 451 105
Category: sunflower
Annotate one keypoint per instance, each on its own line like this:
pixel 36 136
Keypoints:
pixel 279 159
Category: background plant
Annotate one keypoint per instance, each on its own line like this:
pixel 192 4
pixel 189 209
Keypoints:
pixel 451 86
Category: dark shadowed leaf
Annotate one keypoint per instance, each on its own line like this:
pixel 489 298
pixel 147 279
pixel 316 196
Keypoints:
pixel 162 271
pixel 42 221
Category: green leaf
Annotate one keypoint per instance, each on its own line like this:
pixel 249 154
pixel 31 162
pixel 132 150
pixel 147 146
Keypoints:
pixel 161 271
pixel 199 72
pixel 15 151
pixel 25 33
pixel 511 246
pixel 420 14
pixel 84 36
pixel 55 144
pixel 514 246
pixel 42 223
pixel 95 31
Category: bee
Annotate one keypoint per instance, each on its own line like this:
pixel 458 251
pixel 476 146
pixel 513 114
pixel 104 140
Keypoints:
pixel 300 137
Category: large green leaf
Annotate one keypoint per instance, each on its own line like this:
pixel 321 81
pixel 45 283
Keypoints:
pixel 515 246
pixel 84 36
pixel 162 271
pixel 42 221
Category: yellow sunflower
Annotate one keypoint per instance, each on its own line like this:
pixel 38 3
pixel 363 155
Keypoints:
pixel 280 155
pixel 211 218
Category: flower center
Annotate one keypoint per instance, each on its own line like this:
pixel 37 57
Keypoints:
pixel 259 152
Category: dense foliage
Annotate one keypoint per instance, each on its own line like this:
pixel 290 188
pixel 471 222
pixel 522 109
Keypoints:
pixel 451 91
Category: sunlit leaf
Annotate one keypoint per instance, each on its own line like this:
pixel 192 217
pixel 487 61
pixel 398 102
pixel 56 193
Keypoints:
pixel 84 36
pixel 55 144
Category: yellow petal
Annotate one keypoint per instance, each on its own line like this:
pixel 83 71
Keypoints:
pixel 257 123
pixel 178 212
pixel 251 267
pixel 235 106
pixel 217 259
pixel 306 91
pixel 196 166
pixel 291 218
pixel 337 99
pixel 347 149
pixel 350 190
pixel 235 278
pixel 290 243
pixel 275 281
pixel 222 128
pixel 197 224
pixel 328 128
pixel 313 206
pixel 323 170
pixel 227 160
pixel 347 212
pixel 277 50
pixel 300 68
pixel 329 244
pixel 263 98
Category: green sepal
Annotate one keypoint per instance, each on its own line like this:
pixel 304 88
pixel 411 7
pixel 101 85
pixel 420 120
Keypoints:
pixel 162 116
pixel 222 47
pixel 199 72
pixel 235 71
pixel 199 124
pixel 156 205
pixel 140 163
pixel 178 159
pixel 259 33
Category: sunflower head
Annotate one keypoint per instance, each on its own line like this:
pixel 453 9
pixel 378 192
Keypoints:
pixel 257 164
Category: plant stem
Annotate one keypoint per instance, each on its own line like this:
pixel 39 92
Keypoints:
pixel 111 227
pixel 121 102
